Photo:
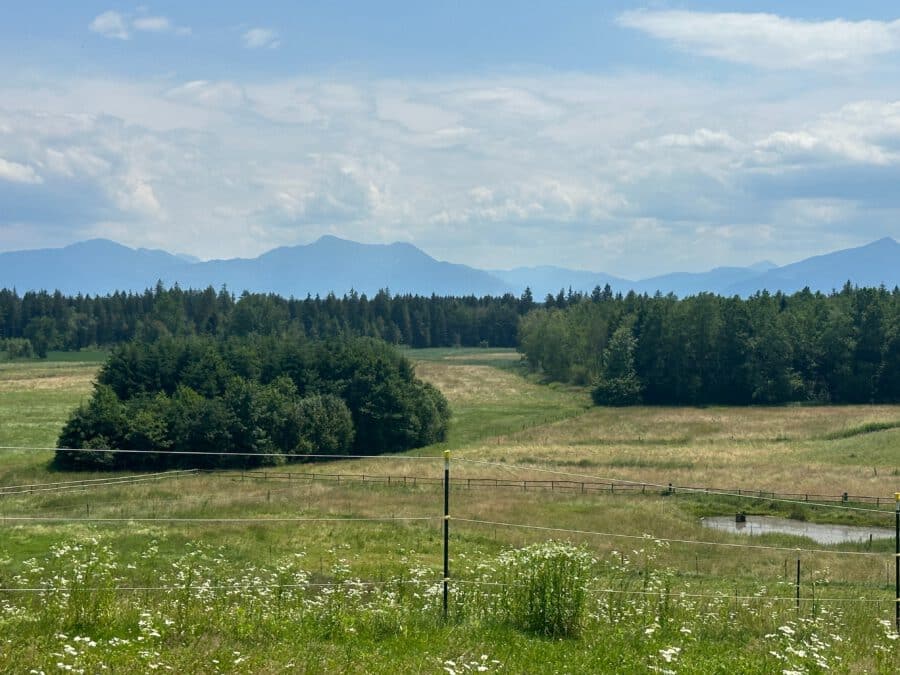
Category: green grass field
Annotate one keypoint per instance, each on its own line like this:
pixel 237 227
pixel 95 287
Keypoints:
pixel 227 596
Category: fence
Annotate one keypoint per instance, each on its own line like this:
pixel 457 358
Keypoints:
pixel 556 485
pixel 563 485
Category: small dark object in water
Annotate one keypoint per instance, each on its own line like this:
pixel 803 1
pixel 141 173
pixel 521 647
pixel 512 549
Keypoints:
pixel 740 517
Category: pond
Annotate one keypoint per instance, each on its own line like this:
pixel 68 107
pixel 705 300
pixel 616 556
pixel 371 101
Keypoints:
pixel 820 532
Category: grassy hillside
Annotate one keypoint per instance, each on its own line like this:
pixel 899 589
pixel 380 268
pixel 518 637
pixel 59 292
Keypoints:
pixel 651 604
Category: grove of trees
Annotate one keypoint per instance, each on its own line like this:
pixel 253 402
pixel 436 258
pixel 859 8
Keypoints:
pixel 263 396
pixel 843 347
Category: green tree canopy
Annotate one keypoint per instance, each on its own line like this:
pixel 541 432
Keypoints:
pixel 261 400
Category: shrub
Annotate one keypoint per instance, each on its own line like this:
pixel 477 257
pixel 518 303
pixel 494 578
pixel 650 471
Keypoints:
pixel 17 348
pixel 326 427
pixel 545 588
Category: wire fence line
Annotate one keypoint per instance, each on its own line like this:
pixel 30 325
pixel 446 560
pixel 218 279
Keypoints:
pixel 235 520
pixel 594 485
pixel 207 453
pixel 93 484
pixel 589 482
pixel 94 480
pixel 652 538
pixel 386 519
pixel 669 594
pixel 311 477
pixel 787 497
pixel 609 486
pixel 212 587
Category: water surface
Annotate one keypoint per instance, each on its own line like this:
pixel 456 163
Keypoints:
pixel 822 533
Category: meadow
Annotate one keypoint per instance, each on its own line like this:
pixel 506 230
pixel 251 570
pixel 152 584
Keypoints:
pixel 256 572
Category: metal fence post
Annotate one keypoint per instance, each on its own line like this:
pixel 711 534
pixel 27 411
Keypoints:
pixel 446 531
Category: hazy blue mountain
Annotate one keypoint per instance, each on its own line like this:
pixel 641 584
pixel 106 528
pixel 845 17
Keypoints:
pixel 549 279
pixel 763 266
pixel 682 284
pixel 870 265
pixel 329 264
pixel 336 265
pixel 98 266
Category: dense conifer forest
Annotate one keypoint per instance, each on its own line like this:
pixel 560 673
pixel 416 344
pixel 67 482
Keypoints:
pixel 837 348
pixel 52 321
pixel 842 347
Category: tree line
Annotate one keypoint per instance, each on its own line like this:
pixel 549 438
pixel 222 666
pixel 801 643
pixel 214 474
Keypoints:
pixel 842 347
pixel 268 399
pixel 53 321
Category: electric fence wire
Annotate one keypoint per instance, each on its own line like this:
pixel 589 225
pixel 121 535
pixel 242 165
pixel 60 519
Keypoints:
pixel 175 519
pixel 64 489
pixel 652 538
pixel 674 594
pixel 96 480
pixel 206 453
pixel 354 583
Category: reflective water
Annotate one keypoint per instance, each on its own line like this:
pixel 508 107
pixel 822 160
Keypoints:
pixel 824 534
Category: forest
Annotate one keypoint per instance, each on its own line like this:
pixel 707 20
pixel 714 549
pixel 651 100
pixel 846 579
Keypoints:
pixel 268 399
pixel 768 349
pixel 53 321
pixel 841 347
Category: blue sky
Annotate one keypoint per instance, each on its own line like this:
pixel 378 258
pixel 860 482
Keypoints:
pixel 631 138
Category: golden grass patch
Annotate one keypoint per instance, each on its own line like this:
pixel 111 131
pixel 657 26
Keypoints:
pixel 78 382
pixel 471 384
pixel 505 355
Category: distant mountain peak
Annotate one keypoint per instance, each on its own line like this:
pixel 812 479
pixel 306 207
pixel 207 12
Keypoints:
pixel 762 266
pixel 334 264
pixel 98 242
pixel 331 239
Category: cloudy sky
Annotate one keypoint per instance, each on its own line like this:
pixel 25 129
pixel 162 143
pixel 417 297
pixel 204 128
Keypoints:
pixel 628 138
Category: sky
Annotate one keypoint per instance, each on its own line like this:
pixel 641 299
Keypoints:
pixel 629 138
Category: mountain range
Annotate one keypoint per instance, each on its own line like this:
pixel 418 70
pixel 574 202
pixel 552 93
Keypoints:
pixel 330 264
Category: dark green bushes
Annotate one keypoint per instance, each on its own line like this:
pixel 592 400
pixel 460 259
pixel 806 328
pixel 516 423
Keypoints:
pixel 260 399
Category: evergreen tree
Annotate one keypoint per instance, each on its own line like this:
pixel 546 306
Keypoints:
pixel 618 383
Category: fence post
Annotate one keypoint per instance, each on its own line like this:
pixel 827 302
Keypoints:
pixel 446 529
pixel 798 584
pixel 897 563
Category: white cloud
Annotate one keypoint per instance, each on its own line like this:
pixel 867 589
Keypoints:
pixel 121 26
pixel 212 94
pixel 863 132
pixel 112 25
pixel 614 173
pixel 152 24
pixel 261 38
pixel 158 24
pixel 73 161
pixel 699 139
pixel 768 40
pixel 18 173
pixel 136 196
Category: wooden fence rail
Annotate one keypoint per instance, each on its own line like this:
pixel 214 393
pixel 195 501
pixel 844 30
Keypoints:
pixel 571 486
